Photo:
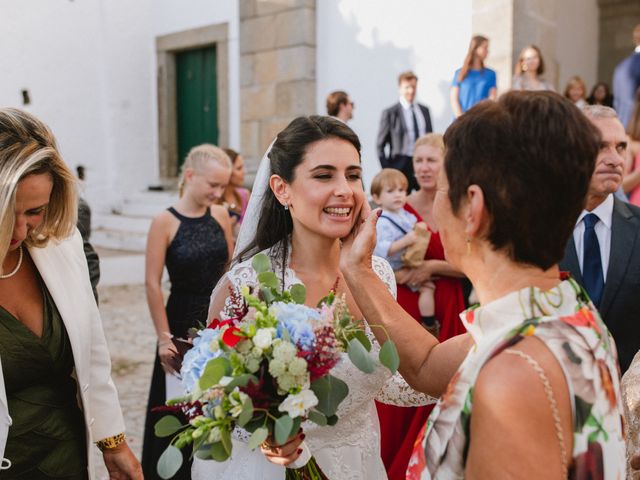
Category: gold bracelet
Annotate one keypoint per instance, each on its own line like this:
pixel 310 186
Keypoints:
pixel 110 442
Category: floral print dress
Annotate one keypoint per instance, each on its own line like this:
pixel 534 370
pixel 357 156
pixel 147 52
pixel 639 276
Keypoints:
pixel 569 325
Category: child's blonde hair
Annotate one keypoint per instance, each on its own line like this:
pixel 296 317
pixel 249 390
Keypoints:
pixel 388 177
pixel 199 156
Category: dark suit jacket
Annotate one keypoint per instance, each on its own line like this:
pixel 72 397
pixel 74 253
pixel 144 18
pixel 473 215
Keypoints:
pixel 620 303
pixel 392 132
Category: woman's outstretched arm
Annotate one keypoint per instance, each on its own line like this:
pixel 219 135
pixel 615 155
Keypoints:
pixel 424 363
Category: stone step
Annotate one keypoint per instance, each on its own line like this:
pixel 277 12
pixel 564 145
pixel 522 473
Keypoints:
pixel 121 222
pixel 119 240
pixel 146 204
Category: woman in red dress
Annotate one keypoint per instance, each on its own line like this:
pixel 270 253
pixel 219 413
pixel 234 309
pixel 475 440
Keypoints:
pixel 400 427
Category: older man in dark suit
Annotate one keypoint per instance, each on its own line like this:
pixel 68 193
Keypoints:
pixel 603 254
pixel 400 126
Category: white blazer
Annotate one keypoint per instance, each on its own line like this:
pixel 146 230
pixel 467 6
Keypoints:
pixel 64 270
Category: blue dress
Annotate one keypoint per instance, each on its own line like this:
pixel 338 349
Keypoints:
pixel 474 87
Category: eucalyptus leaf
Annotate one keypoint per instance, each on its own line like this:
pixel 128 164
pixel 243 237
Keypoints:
pixel 213 372
pixel 330 391
pixel 225 439
pixel 360 357
pixel 268 279
pixel 259 436
pixel 317 418
pixel 218 452
pixel 261 263
pixel 267 295
pixel 167 426
pixel 364 340
pixel 284 424
pixel 169 462
pixel 298 293
pixel 389 356
pixel 247 412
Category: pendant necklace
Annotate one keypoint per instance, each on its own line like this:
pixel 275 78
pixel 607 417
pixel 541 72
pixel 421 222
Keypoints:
pixel 15 270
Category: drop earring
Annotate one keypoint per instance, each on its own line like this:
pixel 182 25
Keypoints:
pixel 286 206
pixel 468 245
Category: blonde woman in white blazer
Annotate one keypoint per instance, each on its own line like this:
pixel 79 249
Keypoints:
pixel 50 413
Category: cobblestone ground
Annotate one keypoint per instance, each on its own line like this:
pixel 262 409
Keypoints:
pixel 131 338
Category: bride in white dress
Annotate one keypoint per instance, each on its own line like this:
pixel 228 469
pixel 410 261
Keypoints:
pixel 307 195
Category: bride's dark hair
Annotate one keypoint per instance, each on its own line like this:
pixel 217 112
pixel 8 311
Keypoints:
pixel 287 152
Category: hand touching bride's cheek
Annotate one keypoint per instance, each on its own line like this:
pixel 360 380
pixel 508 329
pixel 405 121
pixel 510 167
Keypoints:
pixel 326 194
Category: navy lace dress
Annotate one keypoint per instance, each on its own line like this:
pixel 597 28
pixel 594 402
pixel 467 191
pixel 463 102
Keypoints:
pixel 195 260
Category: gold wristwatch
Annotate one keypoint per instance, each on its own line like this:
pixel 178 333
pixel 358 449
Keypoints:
pixel 110 442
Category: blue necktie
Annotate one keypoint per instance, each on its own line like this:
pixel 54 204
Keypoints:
pixel 416 130
pixel 592 263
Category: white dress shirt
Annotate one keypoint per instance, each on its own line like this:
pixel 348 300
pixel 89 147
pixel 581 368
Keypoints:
pixel 604 211
pixel 410 139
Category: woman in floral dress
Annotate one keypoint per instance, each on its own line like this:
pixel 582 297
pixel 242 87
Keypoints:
pixel 538 395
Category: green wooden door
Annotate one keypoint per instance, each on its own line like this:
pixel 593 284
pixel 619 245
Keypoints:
pixel 197 99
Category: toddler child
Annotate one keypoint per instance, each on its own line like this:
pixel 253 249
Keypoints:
pixel 395 232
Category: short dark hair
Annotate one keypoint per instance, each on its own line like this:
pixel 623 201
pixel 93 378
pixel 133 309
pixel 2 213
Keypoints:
pixel 287 152
pixel 334 100
pixel 533 155
pixel 407 76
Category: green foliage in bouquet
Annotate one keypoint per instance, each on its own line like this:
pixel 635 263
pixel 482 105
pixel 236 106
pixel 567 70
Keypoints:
pixel 266 371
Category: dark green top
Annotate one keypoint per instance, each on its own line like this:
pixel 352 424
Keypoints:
pixel 47 437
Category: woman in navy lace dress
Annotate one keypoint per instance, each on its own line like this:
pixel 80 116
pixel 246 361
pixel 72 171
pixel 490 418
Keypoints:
pixel 193 239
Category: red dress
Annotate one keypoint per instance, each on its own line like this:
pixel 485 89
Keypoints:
pixel 400 426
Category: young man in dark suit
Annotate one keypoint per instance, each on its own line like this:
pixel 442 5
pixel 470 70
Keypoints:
pixel 603 254
pixel 400 126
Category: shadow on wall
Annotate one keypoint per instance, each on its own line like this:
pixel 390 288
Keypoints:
pixel 359 54
pixel 367 72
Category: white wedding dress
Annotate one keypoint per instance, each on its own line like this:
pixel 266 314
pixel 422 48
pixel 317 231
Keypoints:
pixel 349 450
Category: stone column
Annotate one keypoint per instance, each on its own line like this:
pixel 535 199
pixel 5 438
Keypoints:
pixel 617 21
pixel 277 70
pixel 513 24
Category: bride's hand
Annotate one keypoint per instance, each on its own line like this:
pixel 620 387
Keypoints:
pixel 283 454
pixel 358 246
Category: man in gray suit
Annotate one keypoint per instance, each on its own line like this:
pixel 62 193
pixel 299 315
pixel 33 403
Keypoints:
pixel 400 126
pixel 603 254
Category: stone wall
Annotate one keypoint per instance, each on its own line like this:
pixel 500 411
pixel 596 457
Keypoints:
pixel 277 70
pixel 617 20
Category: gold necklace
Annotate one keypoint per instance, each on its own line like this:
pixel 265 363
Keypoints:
pixel 15 270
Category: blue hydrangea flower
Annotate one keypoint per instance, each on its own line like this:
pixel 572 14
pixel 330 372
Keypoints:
pixel 196 359
pixel 297 321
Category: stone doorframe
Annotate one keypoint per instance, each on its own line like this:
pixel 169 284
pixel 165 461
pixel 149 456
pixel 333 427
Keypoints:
pixel 167 46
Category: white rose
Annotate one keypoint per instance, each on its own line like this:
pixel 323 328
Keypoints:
pixel 263 338
pixel 284 351
pixel 299 404
pixel 298 366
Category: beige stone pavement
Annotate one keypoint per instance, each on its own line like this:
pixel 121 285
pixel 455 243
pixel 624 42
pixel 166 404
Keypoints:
pixel 131 339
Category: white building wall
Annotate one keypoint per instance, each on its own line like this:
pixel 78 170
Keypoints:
pixel 577 42
pixel 361 51
pixel 170 16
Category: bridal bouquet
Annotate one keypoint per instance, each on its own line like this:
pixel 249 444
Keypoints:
pixel 266 370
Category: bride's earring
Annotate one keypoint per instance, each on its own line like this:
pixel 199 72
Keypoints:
pixel 286 206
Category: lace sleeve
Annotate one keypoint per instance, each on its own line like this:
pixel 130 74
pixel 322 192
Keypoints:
pixel 396 391
pixel 221 303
